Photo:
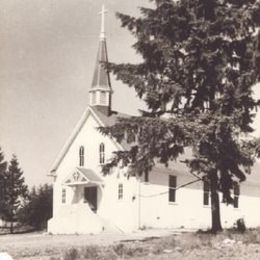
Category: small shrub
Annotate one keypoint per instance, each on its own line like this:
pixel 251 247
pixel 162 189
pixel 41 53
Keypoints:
pixel 119 249
pixel 241 227
pixel 133 250
pixel 91 252
pixel 71 254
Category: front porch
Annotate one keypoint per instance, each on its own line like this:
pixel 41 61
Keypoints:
pixel 80 196
pixel 85 187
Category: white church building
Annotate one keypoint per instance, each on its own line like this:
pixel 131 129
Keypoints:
pixel 86 201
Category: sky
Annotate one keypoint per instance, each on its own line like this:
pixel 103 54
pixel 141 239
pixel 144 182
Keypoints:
pixel 48 51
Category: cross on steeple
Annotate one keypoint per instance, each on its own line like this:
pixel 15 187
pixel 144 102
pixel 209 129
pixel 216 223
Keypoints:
pixel 102 13
pixel 101 92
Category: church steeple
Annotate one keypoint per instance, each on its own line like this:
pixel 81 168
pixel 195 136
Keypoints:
pixel 101 92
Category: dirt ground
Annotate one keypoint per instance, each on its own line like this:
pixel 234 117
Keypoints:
pixel 42 245
pixel 142 245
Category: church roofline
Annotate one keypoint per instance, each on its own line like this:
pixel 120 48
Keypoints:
pixel 74 134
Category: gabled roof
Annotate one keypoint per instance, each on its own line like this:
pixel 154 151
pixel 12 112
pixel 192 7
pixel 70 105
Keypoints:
pixel 82 176
pixel 102 120
pixel 111 119
pixel 90 175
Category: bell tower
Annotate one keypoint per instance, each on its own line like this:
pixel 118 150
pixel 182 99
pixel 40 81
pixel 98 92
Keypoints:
pixel 100 93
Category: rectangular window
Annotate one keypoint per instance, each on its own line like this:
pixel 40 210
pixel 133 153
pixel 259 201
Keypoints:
pixel 206 193
pixel 63 196
pixel 146 176
pixel 236 194
pixel 236 202
pixel 172 188
pixel 120 191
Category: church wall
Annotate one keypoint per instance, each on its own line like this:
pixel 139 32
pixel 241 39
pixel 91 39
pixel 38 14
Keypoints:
pixel 188 210
pixel 120 213
pixel 144 205
pixel 90 138
pixel 157 211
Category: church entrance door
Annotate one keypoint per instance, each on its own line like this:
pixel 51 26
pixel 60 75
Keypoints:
pixel 90 197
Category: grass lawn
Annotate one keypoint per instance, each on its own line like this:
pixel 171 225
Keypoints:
pixel 143 245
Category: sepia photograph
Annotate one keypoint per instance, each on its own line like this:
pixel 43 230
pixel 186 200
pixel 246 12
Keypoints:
pixel 129 129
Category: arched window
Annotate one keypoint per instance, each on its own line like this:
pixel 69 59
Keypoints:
pixel 63 195
pixel 81 156
pixel 101 153
pixel 120 191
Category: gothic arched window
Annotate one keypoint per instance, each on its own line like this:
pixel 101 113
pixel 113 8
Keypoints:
pixel 101 153
pixel 81 156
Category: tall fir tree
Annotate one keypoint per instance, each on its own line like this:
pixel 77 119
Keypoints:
pixel 15 191
pixel 199 66
pixel 3 168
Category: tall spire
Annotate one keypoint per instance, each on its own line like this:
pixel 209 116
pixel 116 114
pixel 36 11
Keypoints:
pixel 101 92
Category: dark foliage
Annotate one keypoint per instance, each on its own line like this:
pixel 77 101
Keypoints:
pixel 38 208
pixel 200 61
pixel 3 168
pixel 15 191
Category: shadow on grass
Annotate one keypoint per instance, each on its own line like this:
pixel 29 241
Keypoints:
pixel 17 231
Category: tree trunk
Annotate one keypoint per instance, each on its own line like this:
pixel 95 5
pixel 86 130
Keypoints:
pixel 215 207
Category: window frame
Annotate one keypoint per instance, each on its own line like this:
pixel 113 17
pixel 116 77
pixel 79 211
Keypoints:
pixel 103 97
pixel 102 153
pixel 94 98
pixel 172 184
pixel 206 193
pixel 63 195
pixel 146 177
pixel 81 156
pixel 120 190
pixel 236 190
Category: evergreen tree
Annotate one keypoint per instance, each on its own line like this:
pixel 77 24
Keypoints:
pixel 3 168
pixel 15 191
pixel 38 208
pixel 199 66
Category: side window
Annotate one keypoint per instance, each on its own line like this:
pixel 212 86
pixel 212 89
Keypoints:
pixel 172 188
pixel 206 193
pixel 63 195
pixel 101 153
pixel 120 191
pixel 81 156
pixel 146 176
pixel 236 194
